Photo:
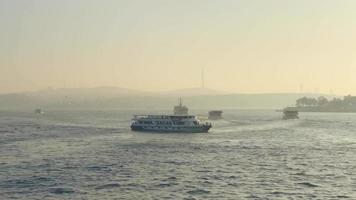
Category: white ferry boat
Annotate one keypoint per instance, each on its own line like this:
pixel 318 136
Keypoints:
pixel 169 123
pixel 290 113
pixel 215 114
pixel 39 111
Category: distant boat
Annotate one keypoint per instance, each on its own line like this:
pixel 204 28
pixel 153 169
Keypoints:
pixel 180 109
pixel 290 114
pixel 169 123
pixel 39 111
pixel 215 114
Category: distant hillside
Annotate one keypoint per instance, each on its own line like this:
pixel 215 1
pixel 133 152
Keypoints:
pixel 193 92
pixel 65 97
pixel 105 92
pixel 119 98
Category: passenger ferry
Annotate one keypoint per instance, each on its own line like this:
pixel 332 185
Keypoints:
pixel 39 111
pixel 290 114
pixel 169 123
pixel 215 114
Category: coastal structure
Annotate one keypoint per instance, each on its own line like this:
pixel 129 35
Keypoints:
pixel 169 123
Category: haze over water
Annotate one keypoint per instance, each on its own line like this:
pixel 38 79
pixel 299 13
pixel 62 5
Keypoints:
pixel 244 46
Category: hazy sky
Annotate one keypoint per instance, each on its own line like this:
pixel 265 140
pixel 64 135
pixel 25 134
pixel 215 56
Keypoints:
pixel 243 45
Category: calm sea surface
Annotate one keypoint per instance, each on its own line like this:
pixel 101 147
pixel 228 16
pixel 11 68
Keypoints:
pixel 248 155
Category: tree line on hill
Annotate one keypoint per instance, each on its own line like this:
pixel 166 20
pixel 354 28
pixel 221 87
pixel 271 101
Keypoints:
pixel 347 101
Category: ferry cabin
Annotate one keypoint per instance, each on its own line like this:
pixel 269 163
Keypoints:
pixel 158 120
pixel 186 123
pixel 290 114
pixel 215 114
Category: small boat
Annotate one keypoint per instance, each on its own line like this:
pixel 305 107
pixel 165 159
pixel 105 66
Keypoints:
pixel 39 111
pixel 215 114
pixel 290 114
pixel 169 123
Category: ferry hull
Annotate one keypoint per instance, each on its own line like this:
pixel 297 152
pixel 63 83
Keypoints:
pixel 215 117
pixel 200 129
pixel 290 117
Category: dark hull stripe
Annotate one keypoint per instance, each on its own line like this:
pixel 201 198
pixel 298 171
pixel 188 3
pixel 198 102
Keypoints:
pixel 202 129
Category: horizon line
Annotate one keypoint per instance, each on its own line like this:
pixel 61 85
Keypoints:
pixel 171 90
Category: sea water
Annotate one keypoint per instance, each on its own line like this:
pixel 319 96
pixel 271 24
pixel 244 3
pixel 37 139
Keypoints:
pixel 250 154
